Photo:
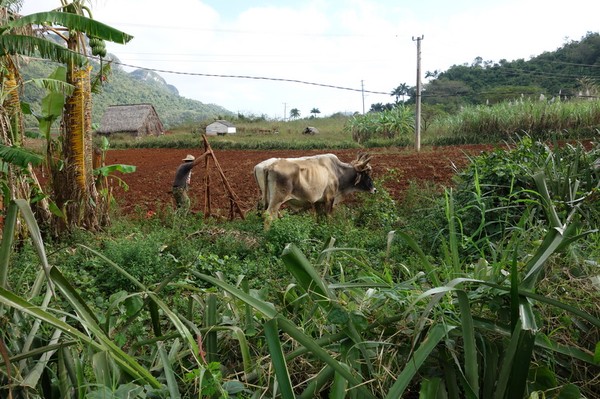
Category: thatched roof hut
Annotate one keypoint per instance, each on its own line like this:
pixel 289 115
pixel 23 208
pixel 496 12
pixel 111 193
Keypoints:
pixel 136 119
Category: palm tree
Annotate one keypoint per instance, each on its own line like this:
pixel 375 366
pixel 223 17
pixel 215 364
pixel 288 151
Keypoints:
pixel 294 113
pixel 314 112
pixel 400 91
pixel 377 107
pixel 11 119
pixel 73 184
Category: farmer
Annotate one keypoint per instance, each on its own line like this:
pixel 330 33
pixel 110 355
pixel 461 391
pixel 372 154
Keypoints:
pixel 182 180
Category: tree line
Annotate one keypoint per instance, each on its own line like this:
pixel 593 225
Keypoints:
pixel 570 71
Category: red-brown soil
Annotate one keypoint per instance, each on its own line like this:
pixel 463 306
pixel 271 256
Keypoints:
pixel 150 185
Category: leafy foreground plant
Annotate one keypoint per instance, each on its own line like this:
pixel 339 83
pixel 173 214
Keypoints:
pixel 505 352
pixel 69 350
pixel 458 352
pixel 476 336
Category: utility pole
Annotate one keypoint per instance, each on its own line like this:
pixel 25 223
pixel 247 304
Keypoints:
pixel 362 89
pixel 418 96
pixel 284 111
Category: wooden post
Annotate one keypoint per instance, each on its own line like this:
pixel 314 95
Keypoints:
pixel 207 209
pixel 233 199
pixel 418 97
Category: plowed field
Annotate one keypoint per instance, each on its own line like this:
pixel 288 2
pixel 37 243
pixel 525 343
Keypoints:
pixel 150 185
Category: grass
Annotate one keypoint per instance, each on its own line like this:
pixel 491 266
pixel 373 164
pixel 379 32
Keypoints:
pixel 472 125
pixel 485 291
pixel 481 124
pixel 254 135
pixel 344 299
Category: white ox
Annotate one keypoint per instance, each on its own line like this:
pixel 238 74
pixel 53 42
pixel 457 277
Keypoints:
pixel 260 175
pixel 318 182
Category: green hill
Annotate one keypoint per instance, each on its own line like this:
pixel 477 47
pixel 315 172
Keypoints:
pixel 572 70
pixel 139 86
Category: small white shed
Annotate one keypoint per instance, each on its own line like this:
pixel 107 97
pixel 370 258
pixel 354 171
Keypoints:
pixel 220 127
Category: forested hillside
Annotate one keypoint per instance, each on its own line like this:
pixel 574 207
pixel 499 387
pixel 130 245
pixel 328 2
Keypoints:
pixel 571 70
pixel 137 87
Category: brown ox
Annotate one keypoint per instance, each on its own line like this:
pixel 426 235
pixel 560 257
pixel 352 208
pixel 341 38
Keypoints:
pixel 318 182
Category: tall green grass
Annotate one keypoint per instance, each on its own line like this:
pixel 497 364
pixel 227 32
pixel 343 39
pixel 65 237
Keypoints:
pixel 540 119
pixel 352 307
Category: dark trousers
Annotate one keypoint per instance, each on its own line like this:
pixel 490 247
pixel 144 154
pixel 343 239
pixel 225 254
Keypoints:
pixel 182 201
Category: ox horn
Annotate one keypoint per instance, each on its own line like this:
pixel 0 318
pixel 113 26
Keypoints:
pixel 362 161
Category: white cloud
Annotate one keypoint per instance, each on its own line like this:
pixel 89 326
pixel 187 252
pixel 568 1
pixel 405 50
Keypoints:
pixel 332 42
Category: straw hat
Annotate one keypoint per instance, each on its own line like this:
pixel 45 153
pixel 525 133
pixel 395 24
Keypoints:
pixel 188 158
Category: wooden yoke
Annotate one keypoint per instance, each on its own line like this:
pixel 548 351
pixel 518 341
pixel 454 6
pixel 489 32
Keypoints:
pixel 234 206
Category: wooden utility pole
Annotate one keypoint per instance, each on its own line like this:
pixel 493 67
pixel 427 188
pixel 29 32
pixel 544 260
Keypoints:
pixel 418 96
pixel 362 86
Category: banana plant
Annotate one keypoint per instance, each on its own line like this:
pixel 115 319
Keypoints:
pixel 74 190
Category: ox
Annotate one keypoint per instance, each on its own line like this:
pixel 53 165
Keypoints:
pixel 260 175
pixel 318 182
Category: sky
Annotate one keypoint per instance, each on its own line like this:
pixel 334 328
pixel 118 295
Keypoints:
pixel 332 55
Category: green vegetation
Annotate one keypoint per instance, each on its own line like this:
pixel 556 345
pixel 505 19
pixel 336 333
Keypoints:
pixel 499 301
pixel 397 122
pixel 568 72
pixel 137 87
pixel 489 290
pixel 539 119
pixel 542 120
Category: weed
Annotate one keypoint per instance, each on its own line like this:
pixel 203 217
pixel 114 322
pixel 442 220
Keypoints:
pixel 290 229
pixel 492 281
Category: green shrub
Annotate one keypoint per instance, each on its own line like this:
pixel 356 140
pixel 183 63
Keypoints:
pixel 388 124
pixel 501 182
pixel 498 194
pixel 290 229
pixel 140 255
pixel 377 211
pixel 421 215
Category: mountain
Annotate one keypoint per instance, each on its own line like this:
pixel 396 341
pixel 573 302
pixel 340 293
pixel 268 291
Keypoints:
pixel 136 87
pixel 145 75
pixel 571 70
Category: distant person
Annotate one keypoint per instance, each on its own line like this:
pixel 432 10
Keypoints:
pixel 182 180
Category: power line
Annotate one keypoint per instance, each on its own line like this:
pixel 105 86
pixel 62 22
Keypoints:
pixel 248 77
pixel 362 90
pixel 541 73
pixel 570 63
pixel 278 32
